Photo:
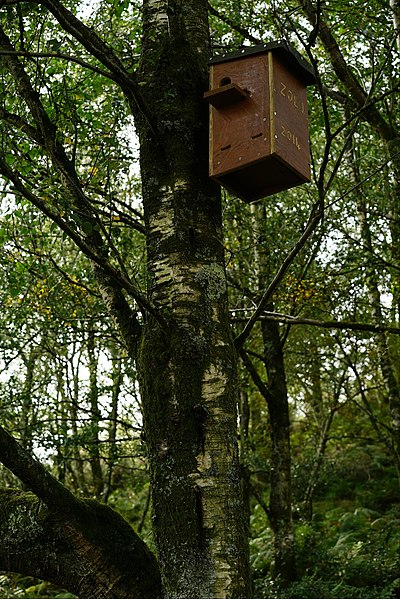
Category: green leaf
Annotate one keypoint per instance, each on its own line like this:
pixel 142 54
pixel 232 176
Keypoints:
pixel 87 227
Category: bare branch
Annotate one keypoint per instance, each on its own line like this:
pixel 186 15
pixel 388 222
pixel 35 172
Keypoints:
pixel 314 220
pixel 104 54
pixel 326 324
pixel 235 26
pixel 263 389
pixel 62 56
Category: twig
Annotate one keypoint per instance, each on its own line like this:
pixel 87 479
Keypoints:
pixel 325 324
pixel 315 218
pixel 62 56
pixel 241 30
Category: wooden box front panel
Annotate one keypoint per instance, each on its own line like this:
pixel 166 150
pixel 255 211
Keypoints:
pixel 289 116
pixel 240 133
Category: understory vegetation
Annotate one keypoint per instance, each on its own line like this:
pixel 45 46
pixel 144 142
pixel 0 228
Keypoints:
pixel 348 550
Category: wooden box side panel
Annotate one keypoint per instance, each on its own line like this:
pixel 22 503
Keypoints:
pixel 240 133
pixel 289 133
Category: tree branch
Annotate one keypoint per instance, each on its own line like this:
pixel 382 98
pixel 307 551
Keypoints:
pixel 35 476
pixel 104 54
pixel 345 74
pixel 260 501
pixel 75 552
pixel 14 120
pixel 327 324
pixel 263 389
pixel 101 261
pixel 315 218
pixel 92 243
pixel 241 30
pixel 62 56
pixel 81 545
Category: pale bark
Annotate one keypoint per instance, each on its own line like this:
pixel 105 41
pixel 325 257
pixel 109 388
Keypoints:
pixel 244 423
pixel 395 8
pixel 26 399
pixel 75 466
pixel 188 378
pixel 95 461
pixel 117 377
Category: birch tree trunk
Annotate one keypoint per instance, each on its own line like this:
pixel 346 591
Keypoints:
pixel 395 8
pixel 95 462
pixel 188 374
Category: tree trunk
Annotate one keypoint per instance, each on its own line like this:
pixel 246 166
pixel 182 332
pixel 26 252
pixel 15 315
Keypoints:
pixel 280 503
pixel 95 462
pixel 26 398
pixel 117 377
pixel 187 369
pixel 244 423
pixel 324 413
pixel 395 8
pixel 76 465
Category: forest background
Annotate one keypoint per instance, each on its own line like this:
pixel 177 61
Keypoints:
pixel 313 280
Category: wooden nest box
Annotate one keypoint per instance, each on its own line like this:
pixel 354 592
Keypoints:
pixel 259 120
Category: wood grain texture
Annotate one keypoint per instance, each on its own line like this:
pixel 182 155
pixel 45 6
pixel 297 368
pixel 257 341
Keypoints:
pixel 259 146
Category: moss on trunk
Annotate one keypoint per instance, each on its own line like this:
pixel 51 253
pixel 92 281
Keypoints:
pixel 92 552
pixel 188 375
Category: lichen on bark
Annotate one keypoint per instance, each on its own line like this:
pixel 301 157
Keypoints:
pixel 92 551
pixel 187 371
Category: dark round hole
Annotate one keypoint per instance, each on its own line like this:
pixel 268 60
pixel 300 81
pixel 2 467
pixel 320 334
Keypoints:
pixel 225 81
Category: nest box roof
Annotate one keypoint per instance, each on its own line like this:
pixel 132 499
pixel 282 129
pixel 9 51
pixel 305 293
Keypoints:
pixel 282 50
